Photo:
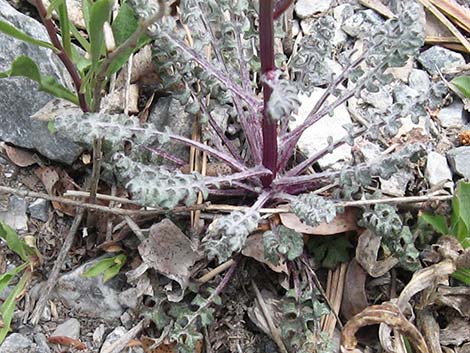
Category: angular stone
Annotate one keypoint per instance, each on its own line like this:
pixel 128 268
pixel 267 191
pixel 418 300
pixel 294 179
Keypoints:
pixel 361 23
pixel 89 296
pixel 458 159
pixel 437 171
pixel 39 210
pixel 419 80
pixel 436 59
pixel 69 328
pixel 307 8
pixel 451 116
pixel 20 98
pixel 315 137
pixel 17 343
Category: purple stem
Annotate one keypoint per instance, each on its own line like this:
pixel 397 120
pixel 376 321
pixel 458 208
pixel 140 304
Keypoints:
pixel 280 7
pixel 164 154
pixel 209 67
pixel 218 130
pixel 69 65
pixel 266 39
pixel 255 172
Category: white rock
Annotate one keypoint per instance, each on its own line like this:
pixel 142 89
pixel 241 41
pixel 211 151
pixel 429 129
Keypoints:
pixel 396 184
pixel 307 8
pixel 437 171
pixel 69 328
pixel 315 137
pixel 451 116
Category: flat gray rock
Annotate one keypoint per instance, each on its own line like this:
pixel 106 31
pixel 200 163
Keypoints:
pixel 437 58
pixel 20 98
pixel 17 343
pixel 89 296
pixel 307 8
pixel 69 328
pixel 458 160
pixel 451 116
pixel 437 171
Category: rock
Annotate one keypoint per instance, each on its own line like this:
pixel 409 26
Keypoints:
pixel 396 185
pixel 419 81
pixel 315 137
pixel 41 342
pixel 117 333
pixel 15 215
pixel 451 116
pixel 458 159
pixel 380 100
pixel 436 59
pixel 307 8
pixel 361 23
pixel 98 334
pixel 90 296
pixel 20 98
pixel 39 210
pixel 69 328
pixel 169 113
pixel 127 320
pixel 17 343
pixel 437 171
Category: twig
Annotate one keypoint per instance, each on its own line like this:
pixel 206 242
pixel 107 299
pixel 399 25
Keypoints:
pixel 54 274
pixel 274 330
pixel 135 228
pixel 219 269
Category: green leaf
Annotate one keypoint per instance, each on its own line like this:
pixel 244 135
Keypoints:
pixel 331 250
pixel 110 266
pixel 100 12
pixel 463 275
pixel 463 85
pixel 438 222
pixel 26 67
pixel 460 220
pixel 14 243
pixel 125 23
pixel 65 28
pixel 12 31
pixel 81 39
pixel 8 307
pixel 8 276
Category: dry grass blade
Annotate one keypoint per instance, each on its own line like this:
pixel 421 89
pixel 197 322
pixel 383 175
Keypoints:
pixel 446 22
pixel 459 14
pixel 388 314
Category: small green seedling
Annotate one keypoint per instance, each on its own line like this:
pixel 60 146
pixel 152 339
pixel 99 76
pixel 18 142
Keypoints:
pixel 30 257
pixel 109 267
pixel 459 223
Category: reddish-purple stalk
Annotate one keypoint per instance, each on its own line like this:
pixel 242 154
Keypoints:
pixel 66 60
pixel 266 40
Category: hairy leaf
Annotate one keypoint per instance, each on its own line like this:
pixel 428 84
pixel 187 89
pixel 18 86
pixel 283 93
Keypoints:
pixel 313 209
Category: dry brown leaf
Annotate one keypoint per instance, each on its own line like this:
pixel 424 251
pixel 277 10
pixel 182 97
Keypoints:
pixel 429 328
pixel 388 314
pixel 354 295
pixel 367 250
pixel 170 252
pixel 57 181
pixel 68 341
pixel 343 222
pixel 254 248
pixel 19 156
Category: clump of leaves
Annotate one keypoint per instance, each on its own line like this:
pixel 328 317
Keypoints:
pixel 459 225
pixel 183 321
pixel 29 256
pixel 282 242
pixel 329 251
pixel 302 309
